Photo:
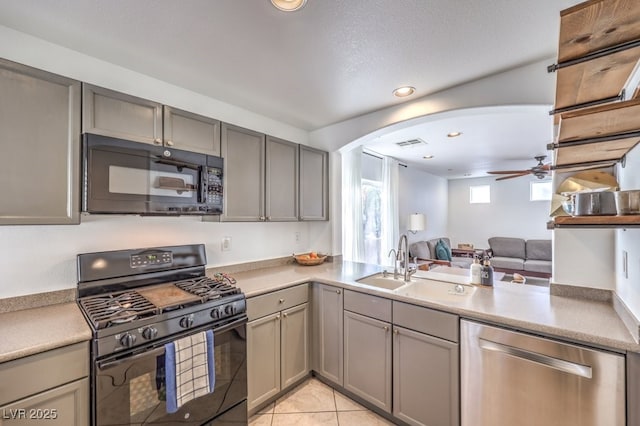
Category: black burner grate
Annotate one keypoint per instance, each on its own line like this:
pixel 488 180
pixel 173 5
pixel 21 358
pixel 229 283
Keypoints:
pixel 210 288
pixel 116 308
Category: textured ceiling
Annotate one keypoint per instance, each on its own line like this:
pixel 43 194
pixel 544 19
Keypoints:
pixel 330 61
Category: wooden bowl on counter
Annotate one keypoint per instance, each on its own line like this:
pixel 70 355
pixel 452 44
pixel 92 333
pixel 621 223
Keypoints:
pixel 306 259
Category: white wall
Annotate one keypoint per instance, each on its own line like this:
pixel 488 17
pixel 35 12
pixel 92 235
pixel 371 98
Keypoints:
pixel 42 258
pixel 421 192
pixel 509 214
pixel 628 288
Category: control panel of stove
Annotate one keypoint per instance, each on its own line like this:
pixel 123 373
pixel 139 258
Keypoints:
pixel 151 258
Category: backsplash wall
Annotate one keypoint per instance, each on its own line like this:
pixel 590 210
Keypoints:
pixel 37 259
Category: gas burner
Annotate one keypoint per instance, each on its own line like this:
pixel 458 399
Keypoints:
pixel 116 308
pixel 209 288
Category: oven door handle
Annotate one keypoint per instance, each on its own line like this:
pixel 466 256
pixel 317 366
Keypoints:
pixel 102 365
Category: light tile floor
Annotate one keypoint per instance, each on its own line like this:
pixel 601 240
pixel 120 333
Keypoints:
pixel 314 403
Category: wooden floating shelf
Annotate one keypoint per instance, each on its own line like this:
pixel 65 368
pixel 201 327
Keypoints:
pixel 595 25
pixel 610 119
pixel 596 221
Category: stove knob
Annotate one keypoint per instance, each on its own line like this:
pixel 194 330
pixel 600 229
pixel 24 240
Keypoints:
pixel 186 322
pixel 127 340
pixel 217 313
pixel 149 333
pixel 229 310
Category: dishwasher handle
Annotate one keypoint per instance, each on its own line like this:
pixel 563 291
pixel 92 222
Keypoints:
pixel 544 360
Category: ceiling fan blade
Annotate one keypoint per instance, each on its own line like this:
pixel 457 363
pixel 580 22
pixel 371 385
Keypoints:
pixel 514 176
pixel 508 172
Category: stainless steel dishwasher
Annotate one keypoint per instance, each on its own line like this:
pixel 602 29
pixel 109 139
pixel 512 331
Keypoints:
pixel 510 378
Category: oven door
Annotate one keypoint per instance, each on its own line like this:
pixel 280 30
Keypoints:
pixel 129 177
pixel 131 390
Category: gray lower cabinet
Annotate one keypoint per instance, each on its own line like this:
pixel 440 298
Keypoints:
pixel 425 379
pixel 47 388
pixel 367 359
pixel 277 342
pixel 40 136
pixel 426 389
pixel 110 113
pixel 314 184
pixel 328 332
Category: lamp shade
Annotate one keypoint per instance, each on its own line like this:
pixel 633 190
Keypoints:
pixel 417 222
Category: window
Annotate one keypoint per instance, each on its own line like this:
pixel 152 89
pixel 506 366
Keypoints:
pixel 540 191
pixel 480 194
pixel 371 220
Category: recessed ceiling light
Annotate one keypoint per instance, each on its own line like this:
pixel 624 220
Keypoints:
pixel 467 174
pixel 289 5
pixel 453 134
pixel 428 157
pixel 404 91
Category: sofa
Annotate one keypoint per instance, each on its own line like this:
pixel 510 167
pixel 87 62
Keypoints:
pixel 425 252
pixel 525 257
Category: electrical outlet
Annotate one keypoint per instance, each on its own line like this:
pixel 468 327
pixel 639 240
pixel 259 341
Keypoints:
pixel 297 236
pixel 226 244
pixel 625 264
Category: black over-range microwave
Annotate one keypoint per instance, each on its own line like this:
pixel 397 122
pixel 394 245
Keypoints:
pixel 125 177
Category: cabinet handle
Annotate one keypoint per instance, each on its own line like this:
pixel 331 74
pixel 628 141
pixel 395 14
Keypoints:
pixel 281 300
pixel 157 141
pixel 338 291
pixel 278 316
pixel 396 331
pixel 268 217
pixel 262 218
pixel 285 315
pixel 169 143
pixel 386 328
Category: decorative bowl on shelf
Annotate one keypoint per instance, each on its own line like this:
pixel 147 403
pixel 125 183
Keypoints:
pixel 309 259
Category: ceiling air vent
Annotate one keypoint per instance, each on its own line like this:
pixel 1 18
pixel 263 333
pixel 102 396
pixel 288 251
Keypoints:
pixel 410 143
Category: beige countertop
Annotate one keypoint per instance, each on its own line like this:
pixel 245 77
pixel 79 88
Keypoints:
pixel 524 307
pixel 30 331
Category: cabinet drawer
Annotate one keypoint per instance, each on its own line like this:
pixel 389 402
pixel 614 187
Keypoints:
pixel 266 304
pixel 425 320
pixel 365 304
pixel 39 372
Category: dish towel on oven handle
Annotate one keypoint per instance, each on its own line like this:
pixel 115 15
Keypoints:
pixel 190 369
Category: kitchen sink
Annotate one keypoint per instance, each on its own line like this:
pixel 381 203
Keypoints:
pixel 427 289
pixel 384 281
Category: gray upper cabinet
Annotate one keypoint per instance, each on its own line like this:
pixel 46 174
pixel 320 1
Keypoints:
pixel 328 332
pixel 39 132
pixel 314 184
pixel 243 153
pixel 191 132
pixel 281 184
pixel 261 176
pixel 110 113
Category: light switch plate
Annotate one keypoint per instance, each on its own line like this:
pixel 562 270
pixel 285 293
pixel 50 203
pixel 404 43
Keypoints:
pixel 226 244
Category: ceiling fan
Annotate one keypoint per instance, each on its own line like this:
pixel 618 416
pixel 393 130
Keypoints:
pixel 540 170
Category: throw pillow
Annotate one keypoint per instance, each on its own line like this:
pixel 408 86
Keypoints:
pixel 442 251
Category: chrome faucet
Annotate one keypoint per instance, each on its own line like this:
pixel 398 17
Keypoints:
pixel 402 255
pixel 395 263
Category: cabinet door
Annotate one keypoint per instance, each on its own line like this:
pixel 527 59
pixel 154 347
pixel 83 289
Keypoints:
pixel 109 113
pixel 40 137
pixel 281 169
pixel 243 152
pixel 328 332
pixel 294 338
pixel 191 132
pixel 263 359
pixel 314 184
pixel 66 405
pixel 425 379
pixel 367 359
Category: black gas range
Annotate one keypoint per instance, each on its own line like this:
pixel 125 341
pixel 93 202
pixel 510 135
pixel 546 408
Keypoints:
pixel 140 304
